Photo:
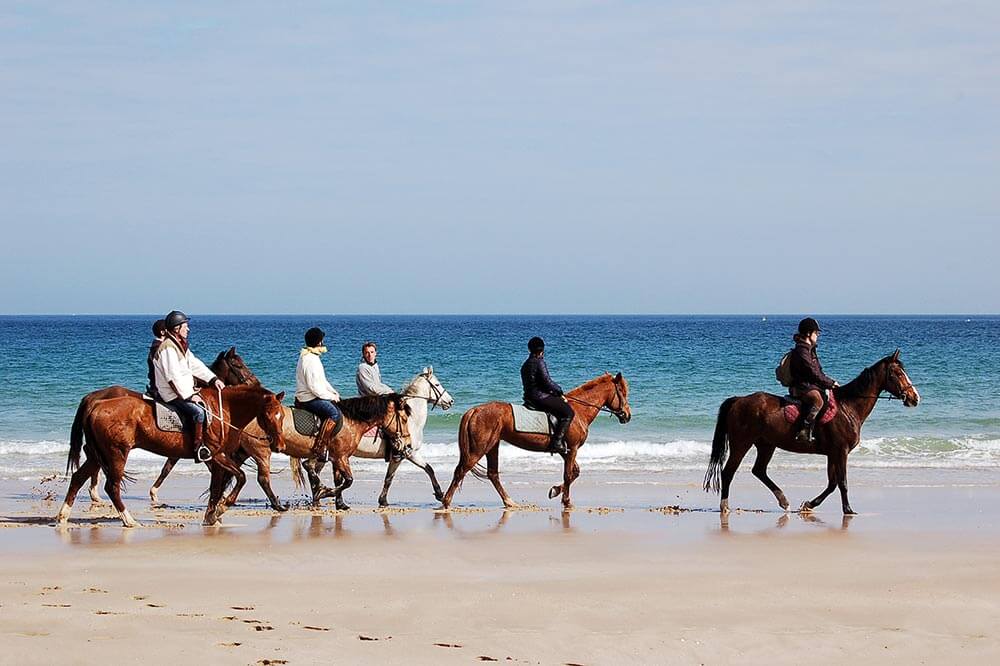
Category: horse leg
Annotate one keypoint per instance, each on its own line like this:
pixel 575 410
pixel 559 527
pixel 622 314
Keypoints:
pixel 570 474
pixel 115 473
pixel 493 474
pixel 342 466
pixel 736 452
pixel 464 466
pixel 764 453
pixel 263 460
pixel 94 497
pixel 212 511
pixel 390 471
pixel 233 468
pixel 87 470
pixel 419 461
pixel 338 502
pixel 313 467
pixel 831 473
pixel 167 468
pixel 842 484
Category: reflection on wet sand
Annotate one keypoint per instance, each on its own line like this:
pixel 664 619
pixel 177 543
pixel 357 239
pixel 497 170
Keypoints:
pixel 784 519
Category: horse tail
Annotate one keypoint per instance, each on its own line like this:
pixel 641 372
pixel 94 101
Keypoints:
pixel 720 443
pixel 76 438
pixel 295 465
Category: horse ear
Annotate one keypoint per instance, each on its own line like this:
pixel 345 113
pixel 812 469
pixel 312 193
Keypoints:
pixel 280 396
pixel 895 355
pixel 430 369
pixel 618 377
pixel 232 350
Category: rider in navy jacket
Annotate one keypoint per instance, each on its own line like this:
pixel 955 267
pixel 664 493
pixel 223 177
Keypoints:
pixel 540 392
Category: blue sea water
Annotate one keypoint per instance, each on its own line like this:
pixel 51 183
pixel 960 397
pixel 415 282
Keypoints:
pixel 679 368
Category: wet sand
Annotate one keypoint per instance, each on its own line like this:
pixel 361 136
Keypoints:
pixel 914 577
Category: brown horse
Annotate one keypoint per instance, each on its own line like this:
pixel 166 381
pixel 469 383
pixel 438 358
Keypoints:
pixel 115 426
pixel 228 366
pixel 757 420
pixel 483 427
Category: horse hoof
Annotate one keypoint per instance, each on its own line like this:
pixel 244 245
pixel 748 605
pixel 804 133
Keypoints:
pixel 343 507
pixel 850 512
pixel 281 508
pixel 554 492
pixel 724 507
pixel 806 508
pixel 382 502
pixel 439 496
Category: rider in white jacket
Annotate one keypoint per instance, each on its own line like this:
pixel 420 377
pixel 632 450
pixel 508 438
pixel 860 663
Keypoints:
pixel 313 392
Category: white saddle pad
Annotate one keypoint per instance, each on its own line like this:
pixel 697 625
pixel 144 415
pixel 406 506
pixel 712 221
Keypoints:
pixel 531 420
pixel 167 418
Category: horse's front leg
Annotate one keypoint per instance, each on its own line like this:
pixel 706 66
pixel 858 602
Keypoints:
pixel 313 467
pixel 419 461
pixel 831 474
pixel 342 469
pixel 842 484
pixel 213 514
pixel 571 471
pixel 390 471
pixel 262 457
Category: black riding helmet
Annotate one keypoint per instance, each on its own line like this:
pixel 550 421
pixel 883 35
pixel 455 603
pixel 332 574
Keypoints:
pixel 314 336
pixel 174 319
pixel 808 325
pixel 536 344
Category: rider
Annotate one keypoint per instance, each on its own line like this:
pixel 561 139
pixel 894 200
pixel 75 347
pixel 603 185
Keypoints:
pixel 809 382
pixel 313 392
pixel 541 393
pixel 369 376
pixel 159 332
pixel 175 371
pixel 369 381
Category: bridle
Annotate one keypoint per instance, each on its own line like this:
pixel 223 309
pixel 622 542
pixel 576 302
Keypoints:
pixel 397 438
pixel 433 402
pixel 618 412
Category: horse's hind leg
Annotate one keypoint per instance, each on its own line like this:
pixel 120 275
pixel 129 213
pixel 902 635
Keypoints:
pixel 465 465
pixel 342 467
pixel 167 468
pixel 736 452
pixel 419 461
pixel 87 470
pixel 114 471
pixel 764 454
pixel 831 474
pixel 94 478
pixel 493 473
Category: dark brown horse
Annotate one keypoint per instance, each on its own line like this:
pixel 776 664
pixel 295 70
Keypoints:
pixel 115 426
pixel 228 366
pixel 483 427
pixel 757 420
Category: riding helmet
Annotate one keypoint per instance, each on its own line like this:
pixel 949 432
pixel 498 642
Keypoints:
pixel 174 319
pixel 536 344
pixel 314 336
pixel 808 325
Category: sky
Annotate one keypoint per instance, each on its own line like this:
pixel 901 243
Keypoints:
pixel 500 157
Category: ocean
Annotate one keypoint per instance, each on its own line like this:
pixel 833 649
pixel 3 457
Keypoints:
pixel 680 368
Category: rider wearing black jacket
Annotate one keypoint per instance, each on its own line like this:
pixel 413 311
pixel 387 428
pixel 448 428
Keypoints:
pixel 808 379
pixel 541 393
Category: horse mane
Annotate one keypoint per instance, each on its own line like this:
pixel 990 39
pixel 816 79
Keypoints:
pixel 591 383
pixel 368 407
pixel 861 385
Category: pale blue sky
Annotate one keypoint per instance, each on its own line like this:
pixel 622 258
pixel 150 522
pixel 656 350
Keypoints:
pixel 459 157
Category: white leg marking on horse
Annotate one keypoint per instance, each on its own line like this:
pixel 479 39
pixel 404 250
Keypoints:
pixel 127 519
pixel 64 513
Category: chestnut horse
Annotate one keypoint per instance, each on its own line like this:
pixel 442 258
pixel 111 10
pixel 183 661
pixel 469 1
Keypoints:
pixel 115 426
pixel 483 427
pixel 757 420
pixel 228 366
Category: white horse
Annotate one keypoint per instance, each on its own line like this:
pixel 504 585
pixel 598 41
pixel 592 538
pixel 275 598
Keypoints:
pixel 422 394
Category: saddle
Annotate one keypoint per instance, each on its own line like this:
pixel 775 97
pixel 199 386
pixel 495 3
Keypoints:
pixel 790 408
pixel 169 419
pixel 307 423
pixel 531 420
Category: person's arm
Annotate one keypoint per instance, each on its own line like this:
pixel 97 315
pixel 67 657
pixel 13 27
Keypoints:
pixel 171 364
pixel 546 382
pixel 818 377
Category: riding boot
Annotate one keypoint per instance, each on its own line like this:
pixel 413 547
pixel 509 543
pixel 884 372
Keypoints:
pixel 805 434
pixel 558 441
pixel 320 450
pixel 201 452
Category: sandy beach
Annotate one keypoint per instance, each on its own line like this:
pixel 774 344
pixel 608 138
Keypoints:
pixel 913 578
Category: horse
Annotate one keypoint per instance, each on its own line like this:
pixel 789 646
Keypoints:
pixel 227 366
pixel 424 392
pixel 483 426
pixel 115 426
pixel 757 420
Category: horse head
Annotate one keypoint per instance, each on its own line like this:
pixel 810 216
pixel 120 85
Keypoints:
pixel 230 368
pixel 897 382
pixel 271 418
pixel 617 402
pixel 427 386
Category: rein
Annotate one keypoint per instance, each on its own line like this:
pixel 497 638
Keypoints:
pixel 433 402
pixel 619 413
pixel 224 425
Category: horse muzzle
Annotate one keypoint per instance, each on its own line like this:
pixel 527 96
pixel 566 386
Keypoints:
pixel 911 398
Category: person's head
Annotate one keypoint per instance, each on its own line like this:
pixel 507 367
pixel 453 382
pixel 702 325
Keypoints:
pixel 809 330
pixel 176 323
pixel 368 352
pixel 314 336
pixel 536 346
pixel 159 328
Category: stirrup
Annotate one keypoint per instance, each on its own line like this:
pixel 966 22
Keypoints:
pixel 203 454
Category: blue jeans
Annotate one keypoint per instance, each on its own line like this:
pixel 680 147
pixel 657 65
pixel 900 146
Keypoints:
pixel 190 412
pixel 321 408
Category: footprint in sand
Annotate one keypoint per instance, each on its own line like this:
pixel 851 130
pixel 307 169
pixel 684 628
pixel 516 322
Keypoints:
pixel 448 645
pixel 155 605
pixel 306 626
pixel 95 590
pixel 230 644
pixel 140 597
pixel 104 612
pixel 57 605
pixel 241 608
pixel 362 637
pixel 270 662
